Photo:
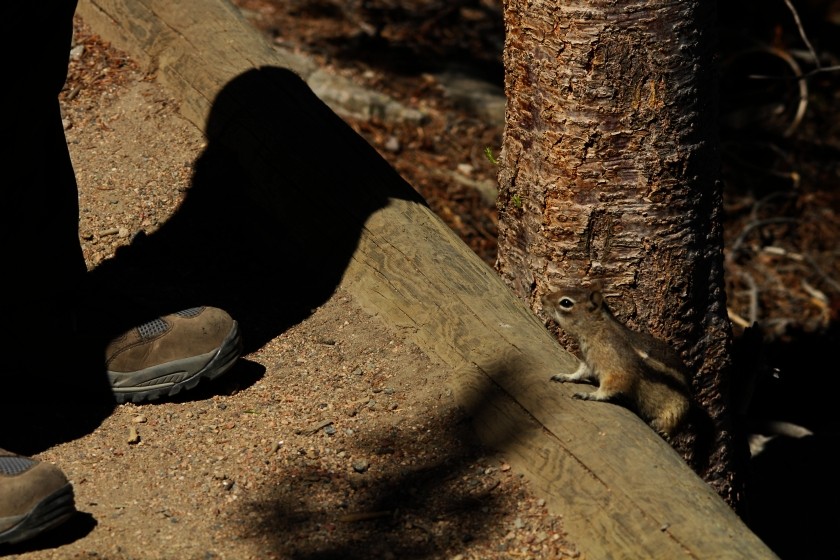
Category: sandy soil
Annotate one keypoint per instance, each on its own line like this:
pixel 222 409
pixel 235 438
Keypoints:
pixel 322 443
pixel 331 438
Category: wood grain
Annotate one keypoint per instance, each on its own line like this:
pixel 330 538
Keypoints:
pixel 623 492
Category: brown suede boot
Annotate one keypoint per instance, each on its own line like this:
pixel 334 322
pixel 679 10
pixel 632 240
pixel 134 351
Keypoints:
pixel 171 353
pixel 34 497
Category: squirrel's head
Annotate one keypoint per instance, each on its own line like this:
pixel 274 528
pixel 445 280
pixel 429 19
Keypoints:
pixel 573 307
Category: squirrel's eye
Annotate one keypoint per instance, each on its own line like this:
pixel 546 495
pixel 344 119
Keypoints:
pixel 566 303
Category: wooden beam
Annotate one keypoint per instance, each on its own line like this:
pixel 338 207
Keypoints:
pixel 623 492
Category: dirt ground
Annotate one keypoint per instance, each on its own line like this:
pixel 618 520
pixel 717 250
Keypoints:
pixel 322 443
pixel 332 439
pixel 780 155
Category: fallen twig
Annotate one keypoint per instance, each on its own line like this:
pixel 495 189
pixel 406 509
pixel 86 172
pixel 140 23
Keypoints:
pixel 802 106
pixel 802 33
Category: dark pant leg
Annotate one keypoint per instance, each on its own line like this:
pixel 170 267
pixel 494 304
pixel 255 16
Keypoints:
pixel 39 230
pixel 51 381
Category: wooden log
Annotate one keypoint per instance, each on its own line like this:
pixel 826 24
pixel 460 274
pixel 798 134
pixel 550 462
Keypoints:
pixel 623 492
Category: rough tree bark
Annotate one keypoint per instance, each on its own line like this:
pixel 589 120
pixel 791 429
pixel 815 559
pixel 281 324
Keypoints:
pixel 622 491
pixel 609 173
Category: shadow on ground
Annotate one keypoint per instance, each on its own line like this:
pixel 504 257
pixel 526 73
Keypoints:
pixel 275 210
pixel 414 501
pixel 400 39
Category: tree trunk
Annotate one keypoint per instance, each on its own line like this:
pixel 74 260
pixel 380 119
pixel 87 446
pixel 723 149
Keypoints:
pixel 609 174
pixel 622 491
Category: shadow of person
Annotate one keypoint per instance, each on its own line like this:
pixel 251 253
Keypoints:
pixel 277 204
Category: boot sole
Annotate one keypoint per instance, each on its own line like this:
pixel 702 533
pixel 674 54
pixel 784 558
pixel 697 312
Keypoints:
pixel 166 380
pixel 50 512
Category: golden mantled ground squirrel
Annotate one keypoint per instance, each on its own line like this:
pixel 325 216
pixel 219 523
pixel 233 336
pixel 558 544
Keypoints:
pixel 630 367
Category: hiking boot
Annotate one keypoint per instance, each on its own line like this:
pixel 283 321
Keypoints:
pixel 171 353
pixel 34 497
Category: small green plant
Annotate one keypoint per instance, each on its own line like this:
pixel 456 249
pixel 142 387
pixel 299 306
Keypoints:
pixel 517 200
pixel 488 153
